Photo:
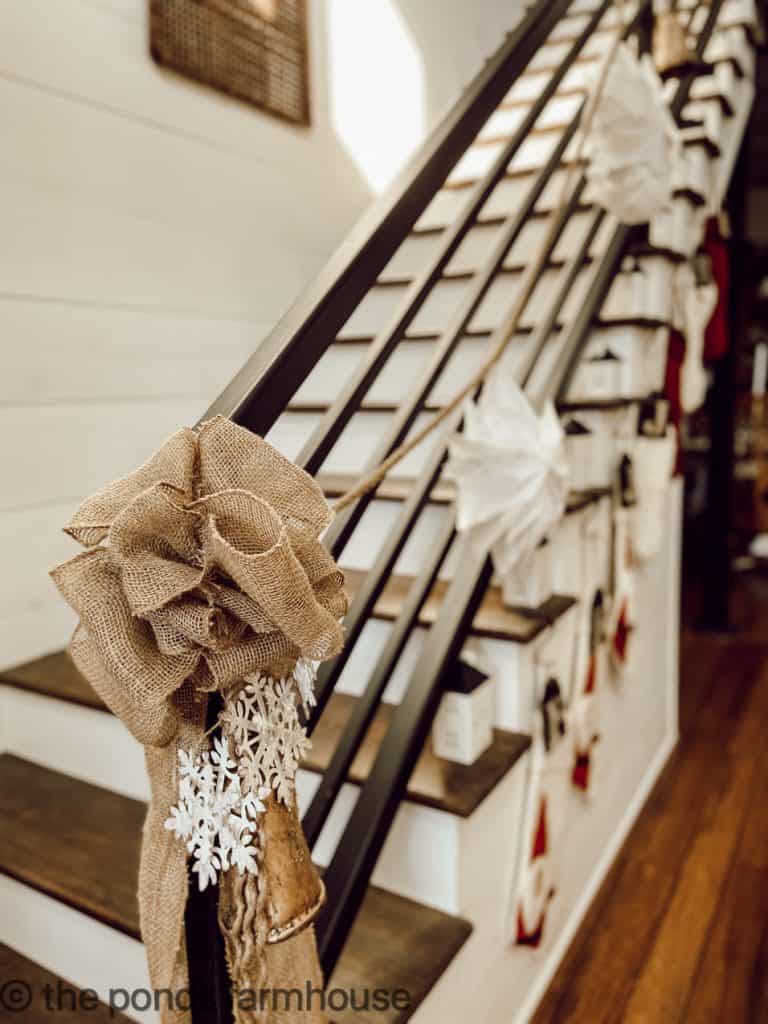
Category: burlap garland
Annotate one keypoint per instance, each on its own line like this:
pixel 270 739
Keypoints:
pixel 202 567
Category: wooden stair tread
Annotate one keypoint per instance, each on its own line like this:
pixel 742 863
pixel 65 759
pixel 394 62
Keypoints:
pixel 435 782
pixel 475 335
pixel 493 619
pixel 53 675
pixel 398 488
pixel 392 488
pixel 59 833
pixel 454 788
pixel 390 408
pixel 15 967
pixel 600 403
pixel 508 269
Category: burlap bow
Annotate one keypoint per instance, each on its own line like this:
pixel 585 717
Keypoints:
pixel 202 567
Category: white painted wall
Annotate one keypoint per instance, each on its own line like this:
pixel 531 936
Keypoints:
pixel 153 232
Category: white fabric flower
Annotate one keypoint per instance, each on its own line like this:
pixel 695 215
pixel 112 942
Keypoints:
pixel 511 473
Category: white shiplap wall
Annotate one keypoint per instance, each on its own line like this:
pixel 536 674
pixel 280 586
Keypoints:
pixel 153 231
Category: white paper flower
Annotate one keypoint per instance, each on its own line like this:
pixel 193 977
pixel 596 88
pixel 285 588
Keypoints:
pixel 243 856
pixel 634 144
pixel 510 471
pixel 304 674
pixel 180 822
pixel 253 801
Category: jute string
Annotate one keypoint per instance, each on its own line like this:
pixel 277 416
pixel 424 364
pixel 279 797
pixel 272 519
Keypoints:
pixel 531 278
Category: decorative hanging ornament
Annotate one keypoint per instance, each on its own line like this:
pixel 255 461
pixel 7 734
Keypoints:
pixel 536 888
pixel 694 302
pixel 203 571
pixel 654 462
pixel 222 791
pixel 552 708
pixel 671 53
pixel 584 711
pixel 511 474
pixel 622 606
pixel 536 892
pixel 633 142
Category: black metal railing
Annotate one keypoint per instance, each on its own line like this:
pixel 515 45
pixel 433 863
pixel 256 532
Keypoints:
pixel 262 389
pixel 350 869
pixel 265 386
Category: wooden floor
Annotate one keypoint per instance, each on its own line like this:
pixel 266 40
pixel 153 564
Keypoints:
pixel 679 931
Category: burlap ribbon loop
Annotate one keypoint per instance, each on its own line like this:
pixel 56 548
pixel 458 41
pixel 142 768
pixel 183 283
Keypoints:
pixel 202 568
pixel 204 564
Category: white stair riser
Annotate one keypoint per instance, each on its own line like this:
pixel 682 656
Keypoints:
pixel 444 301
pixel 505 122
pixel 401 372
pixel 76 947
pixel 641 353
pixel 419 251
pixel 632 343
pixel 420 859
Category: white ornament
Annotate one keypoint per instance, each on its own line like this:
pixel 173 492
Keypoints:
pixel 694 306
pixel 633 143
pixel 511 473
pixel 220 796
pixel 263 722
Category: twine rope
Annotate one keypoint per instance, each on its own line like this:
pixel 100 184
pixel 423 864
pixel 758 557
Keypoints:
pixel 531 276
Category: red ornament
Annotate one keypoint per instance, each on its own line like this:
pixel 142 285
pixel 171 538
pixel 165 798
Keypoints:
pixel 540 839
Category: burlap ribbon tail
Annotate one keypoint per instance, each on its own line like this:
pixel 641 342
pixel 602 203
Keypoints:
pixel 202 569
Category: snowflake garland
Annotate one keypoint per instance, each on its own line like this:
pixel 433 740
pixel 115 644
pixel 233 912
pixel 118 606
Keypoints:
pixel 221 799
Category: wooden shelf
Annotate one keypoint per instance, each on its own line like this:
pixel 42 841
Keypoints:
pixel 435 782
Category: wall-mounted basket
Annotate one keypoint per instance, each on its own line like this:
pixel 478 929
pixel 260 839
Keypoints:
pixel 255 50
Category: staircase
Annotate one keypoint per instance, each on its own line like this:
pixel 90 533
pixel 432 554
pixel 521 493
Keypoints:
pixel 421 855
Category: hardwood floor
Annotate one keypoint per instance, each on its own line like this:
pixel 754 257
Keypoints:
pixel 679 931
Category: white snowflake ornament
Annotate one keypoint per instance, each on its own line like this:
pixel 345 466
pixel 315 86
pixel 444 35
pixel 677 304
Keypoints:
pixel 222 791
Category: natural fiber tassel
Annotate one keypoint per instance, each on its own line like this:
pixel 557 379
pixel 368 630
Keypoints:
pixel 671 53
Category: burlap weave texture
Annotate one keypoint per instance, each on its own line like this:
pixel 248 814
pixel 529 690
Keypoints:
pixel 200 568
